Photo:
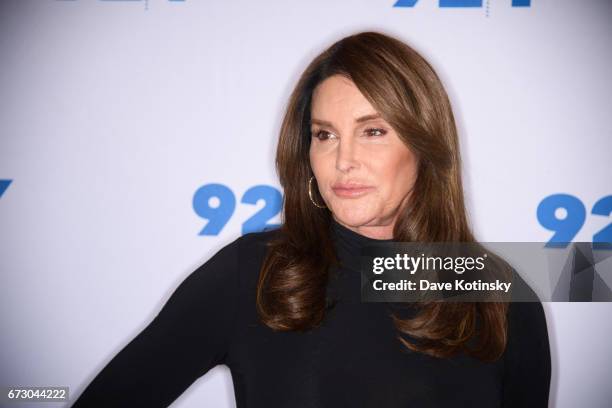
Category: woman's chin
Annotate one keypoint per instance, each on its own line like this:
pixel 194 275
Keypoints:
pixel 353 216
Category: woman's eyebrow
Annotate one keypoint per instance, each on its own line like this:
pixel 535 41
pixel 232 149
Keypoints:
pixel 361 119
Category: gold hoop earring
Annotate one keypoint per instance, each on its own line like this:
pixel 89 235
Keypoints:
pixel 310 194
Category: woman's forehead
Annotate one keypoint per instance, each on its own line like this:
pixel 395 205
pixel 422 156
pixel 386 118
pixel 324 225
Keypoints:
pixel 336 98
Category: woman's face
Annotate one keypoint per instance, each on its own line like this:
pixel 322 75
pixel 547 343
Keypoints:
pixel 363 170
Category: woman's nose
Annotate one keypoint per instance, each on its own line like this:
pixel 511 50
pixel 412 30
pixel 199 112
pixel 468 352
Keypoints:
pixel 347 155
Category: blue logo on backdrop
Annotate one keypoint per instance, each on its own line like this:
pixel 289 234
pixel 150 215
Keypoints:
pixel 460 3
pixel 3 186
pixel 216 203
pixel 565 215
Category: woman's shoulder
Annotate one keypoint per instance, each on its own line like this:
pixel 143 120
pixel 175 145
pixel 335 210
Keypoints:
pixel 527 359
pixel 249 248
pixel 226 277
pixel 526 316
pixel 240 260
pixel 256 241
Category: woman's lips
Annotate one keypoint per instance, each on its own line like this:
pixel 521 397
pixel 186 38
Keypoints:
pixel 351 192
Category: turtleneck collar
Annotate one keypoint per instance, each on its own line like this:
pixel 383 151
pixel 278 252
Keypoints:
pixel 349 244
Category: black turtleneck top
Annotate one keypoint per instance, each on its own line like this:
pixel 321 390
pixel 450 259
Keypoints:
pixel 353 359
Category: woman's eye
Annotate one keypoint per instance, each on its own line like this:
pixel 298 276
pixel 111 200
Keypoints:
pixel 376 132
pixel 321 134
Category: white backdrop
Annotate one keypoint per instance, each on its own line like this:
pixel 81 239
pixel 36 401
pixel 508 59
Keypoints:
pixel 114 113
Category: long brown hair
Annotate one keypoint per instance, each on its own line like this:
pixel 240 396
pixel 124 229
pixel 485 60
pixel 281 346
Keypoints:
pixel 403 87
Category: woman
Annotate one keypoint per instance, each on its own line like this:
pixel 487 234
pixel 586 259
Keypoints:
pixel 368 153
